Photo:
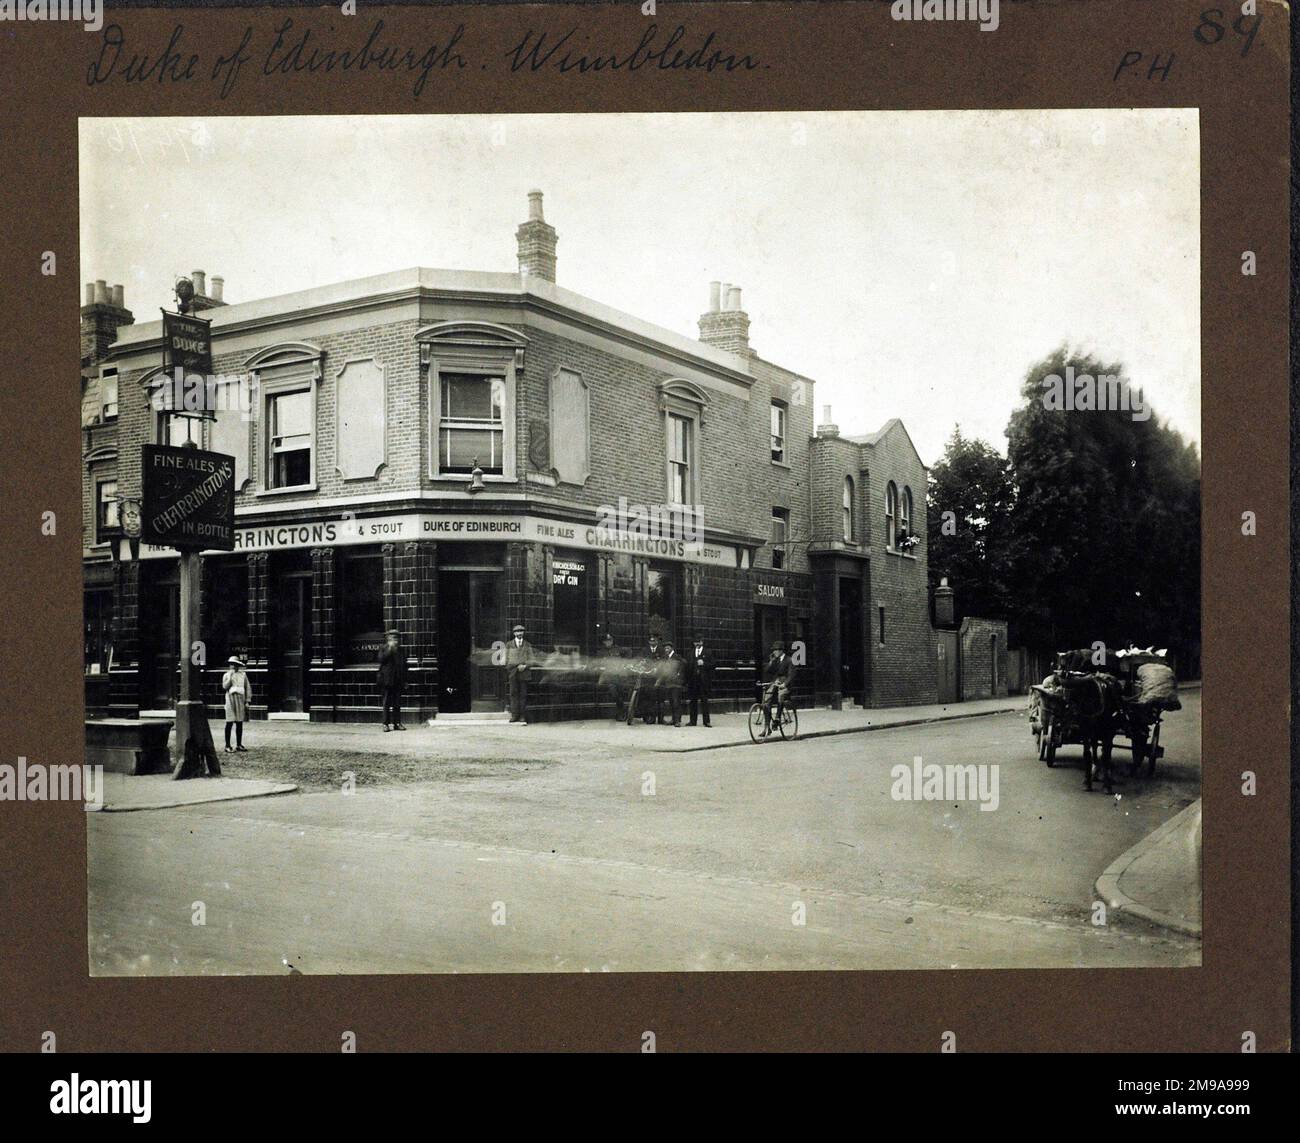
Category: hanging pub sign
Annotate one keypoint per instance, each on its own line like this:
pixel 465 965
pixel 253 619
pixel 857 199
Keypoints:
pixel 187 345
pixel 189 498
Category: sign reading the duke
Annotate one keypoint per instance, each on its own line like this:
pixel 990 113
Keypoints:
pixel 187 343
pixel 189 498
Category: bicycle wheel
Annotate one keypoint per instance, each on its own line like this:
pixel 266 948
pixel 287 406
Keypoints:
pixel 756 722
pixel 789 723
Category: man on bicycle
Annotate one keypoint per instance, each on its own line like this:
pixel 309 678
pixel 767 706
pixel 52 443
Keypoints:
pixel 777 677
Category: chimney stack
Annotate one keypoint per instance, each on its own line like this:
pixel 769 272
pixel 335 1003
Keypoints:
pixel 536 239
pixel 202 299
pixel 102 316
pixel 725 325
pixel 827 428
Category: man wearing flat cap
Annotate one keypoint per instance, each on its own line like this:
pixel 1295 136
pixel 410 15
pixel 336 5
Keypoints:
pixel 519 661
pixel 392 674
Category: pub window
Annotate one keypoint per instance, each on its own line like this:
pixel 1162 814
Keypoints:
pixel 847 509
pixel 98 643
pixel 107 517
pixel 681 458
pixel 360 611
pixel 778 432
pixel 891 514
pixel 569 600
pixel 108 393
pixel 780 531
pixel 289 444
pixel 905 514
pixel 471 423
pixel 226 608
pixel 660 591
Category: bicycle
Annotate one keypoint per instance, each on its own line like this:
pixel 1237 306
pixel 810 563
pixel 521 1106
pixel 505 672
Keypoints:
pixel 785 720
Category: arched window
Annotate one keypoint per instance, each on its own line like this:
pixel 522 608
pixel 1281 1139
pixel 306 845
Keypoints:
pixel 848 509
pixel 891 515
pixel 905 513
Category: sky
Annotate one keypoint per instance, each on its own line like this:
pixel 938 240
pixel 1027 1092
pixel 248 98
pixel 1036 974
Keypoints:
pixel 914 264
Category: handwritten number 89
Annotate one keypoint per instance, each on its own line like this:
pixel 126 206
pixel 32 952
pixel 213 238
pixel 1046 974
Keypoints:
pixel 1209 32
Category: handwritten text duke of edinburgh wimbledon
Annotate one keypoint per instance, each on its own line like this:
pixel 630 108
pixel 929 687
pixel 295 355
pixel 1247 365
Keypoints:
pixel 290 52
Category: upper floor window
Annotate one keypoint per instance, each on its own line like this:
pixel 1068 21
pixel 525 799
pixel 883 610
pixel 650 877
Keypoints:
pixel 681 458
pixel 847 510
pixel 780 533
pixel 107 517
pixel 778 432
pixel 891 515
pixel 683 406
pixel 905 519
pixel 472 369
pixel 471 423
pixel 108 393
pixel 289 446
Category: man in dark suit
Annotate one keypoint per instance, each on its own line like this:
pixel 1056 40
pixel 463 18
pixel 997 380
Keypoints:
pixel 672 675
pixel 392 674
pixel 519 661
pixel 651 698
pixel 776 684
pixel 699 678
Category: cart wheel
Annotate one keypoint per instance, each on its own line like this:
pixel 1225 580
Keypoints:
pixel 756 722
pixel 1050 755
pixel 1041 739
pixel 1153 750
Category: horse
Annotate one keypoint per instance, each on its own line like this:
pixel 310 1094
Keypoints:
pixel 1095 703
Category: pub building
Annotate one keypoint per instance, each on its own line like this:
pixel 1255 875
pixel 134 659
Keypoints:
pixel 449 453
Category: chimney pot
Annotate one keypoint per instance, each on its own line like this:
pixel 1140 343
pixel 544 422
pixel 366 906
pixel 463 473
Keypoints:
pixel 715 297
pixel 826 413
pixel 119 296
pixel 90 293
pixel 200 286
pixel 535 206
pixel 733 295
pixel 101 292
pixel 218 285
pixel 726 296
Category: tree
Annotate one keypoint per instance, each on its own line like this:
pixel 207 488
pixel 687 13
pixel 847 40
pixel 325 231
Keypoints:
pixel 968 511
pixel 1105 536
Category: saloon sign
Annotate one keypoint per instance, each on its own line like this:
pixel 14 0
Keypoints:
pixel 189 499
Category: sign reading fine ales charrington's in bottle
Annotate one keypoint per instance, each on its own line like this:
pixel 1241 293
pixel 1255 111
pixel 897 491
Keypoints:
pixel 189 498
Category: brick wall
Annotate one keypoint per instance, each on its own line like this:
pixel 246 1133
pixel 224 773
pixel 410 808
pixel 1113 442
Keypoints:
pixel 983 644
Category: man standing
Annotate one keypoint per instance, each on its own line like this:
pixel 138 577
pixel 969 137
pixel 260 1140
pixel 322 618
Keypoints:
pixel 612 679
pixel 519 661
pixel 672 675
pixel 699 679
pixel 392 674
pixel 649 682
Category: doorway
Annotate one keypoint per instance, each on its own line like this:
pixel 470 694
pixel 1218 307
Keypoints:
pixel 160 634
pixel 945 655
pixel 291 658
pixel 852 676
pixel 469 623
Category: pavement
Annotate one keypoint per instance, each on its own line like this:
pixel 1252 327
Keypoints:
pixel 515 849
pixel 730 729
pixel 124 792
pixel 1159 879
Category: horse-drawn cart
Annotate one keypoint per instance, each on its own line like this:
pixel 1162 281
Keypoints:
pixel 1126 698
